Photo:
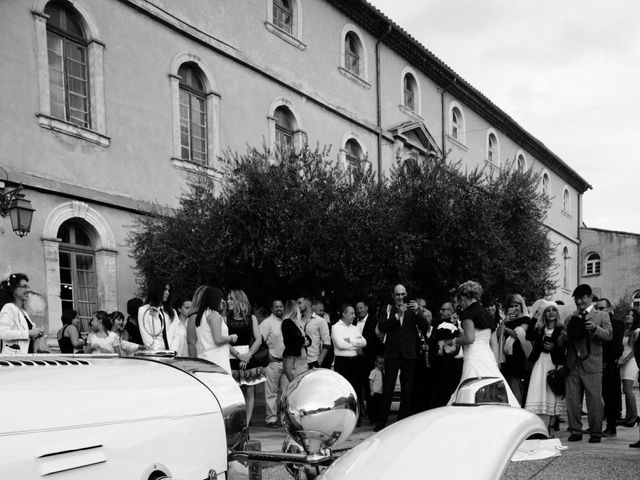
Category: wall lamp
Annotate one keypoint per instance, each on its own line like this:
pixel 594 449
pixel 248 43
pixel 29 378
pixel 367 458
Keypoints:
pixel 13 203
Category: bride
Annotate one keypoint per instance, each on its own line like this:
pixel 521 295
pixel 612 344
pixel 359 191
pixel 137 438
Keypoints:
pixel 477 325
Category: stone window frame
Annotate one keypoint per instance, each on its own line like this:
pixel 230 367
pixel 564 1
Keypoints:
pixel 460 139
pixel 520 154
pixel 97 134
pixel 295 36
pixel 106 251
pixel 213 116
pixel 299 135
pixel 495 162
pixel 417 100
pixel 342 154
pixel 592 266
pixel 362 78
pixel 566 201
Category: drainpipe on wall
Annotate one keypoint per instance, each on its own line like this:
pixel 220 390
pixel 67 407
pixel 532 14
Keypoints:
pixel 579 260
pixel 378 104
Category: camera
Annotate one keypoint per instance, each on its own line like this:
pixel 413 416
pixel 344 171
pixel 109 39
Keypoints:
pixel 576 329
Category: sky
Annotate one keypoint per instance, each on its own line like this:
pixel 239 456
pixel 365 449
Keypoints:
pixel 568 71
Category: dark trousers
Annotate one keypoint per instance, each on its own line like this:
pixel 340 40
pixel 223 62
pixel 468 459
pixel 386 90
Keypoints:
pixel 391 368
pixel 611 393
pixel 348 368
pixel 422 394
pixel 373 407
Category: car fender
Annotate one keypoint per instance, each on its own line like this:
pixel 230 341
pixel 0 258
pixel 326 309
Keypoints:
pixel 454 442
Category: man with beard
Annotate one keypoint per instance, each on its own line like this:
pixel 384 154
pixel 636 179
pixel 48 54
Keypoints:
pixel 271 331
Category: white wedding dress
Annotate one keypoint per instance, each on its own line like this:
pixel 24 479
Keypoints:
pixel 479 361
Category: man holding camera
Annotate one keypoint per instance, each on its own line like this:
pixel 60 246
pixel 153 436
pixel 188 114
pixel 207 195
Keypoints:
pixel 399 323
pixel 585 332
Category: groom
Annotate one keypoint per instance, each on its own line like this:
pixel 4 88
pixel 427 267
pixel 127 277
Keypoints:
pixel 399 323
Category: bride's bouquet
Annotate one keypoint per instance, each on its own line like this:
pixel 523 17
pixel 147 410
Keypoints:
pixel 444 332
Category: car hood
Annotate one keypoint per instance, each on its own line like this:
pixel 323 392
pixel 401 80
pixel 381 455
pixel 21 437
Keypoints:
pixel 452 442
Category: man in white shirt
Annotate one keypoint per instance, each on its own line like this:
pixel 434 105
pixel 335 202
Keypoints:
pixel 317 328
pixel 271 331
pixel 347 339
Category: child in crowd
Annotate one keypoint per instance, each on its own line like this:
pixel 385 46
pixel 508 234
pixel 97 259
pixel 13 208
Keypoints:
pixel 375 385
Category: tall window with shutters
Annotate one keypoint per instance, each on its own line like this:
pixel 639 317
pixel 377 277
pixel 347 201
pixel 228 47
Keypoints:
pixel 68 66
pixel 193 115
pixel 78 281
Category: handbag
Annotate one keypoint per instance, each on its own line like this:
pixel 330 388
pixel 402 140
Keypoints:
pixel 261 357
pixel 555 380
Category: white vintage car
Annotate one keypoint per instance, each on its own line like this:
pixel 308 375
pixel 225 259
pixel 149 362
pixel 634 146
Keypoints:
pixel 160 417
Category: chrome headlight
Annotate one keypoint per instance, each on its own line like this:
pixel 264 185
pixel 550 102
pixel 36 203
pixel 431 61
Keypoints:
pixel 319 409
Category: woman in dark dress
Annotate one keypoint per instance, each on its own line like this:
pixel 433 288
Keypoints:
pixel 242 323
pixel 69 339
pixel 516 347
pixel 295 341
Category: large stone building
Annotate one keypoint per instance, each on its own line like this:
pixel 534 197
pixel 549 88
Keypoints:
pixel 108 105
pixel 610 263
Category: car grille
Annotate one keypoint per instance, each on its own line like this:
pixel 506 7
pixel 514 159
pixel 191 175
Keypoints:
pixel 4 363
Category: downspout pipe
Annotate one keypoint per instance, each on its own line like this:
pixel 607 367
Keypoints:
pixel 378 101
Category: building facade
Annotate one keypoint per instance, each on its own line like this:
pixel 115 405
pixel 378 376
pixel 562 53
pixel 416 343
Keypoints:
pixel 109 106
pixel 610 263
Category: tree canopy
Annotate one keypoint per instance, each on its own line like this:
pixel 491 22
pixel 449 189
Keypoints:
pixel 286 224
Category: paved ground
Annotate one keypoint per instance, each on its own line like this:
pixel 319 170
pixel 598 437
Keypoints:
pixel 610 460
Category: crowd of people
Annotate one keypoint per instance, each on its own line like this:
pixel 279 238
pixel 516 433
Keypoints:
pixel 550 356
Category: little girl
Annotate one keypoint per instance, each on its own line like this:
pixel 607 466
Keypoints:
pixel 102 339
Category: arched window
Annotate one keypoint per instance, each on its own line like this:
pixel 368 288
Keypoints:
pixel 521 163
pixel 636 300
pixel 492 149
pixel 592 264
pixel 545 185
pixel 410 92
pixel 353 151
pixel 78 282
pixel 68 66
pixel 283 15
pixel 352 54
pixel 566 201
pixel 284 127
pixel 456 123
pixel 565 268
pixel 193 115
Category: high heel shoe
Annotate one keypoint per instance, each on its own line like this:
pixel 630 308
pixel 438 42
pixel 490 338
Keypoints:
pixel 632 423
pixel 556 424
pixel 635 445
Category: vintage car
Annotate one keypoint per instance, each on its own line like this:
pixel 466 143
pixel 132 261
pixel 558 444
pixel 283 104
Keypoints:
pixel 157 416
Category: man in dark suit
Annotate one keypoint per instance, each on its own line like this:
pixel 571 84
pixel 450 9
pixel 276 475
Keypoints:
pixel 587 330
pixel 399 323
pixel 611 351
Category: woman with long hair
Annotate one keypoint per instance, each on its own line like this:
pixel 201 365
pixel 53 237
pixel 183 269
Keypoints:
pixel 629 368
pixel 546 355
pixel 516 347
pixel 245 325
pixel 295 341
pixel 207 333
pixel 155 314
pixel 69 339
pixel 102 339
pixel 475 338
pixel 17 332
